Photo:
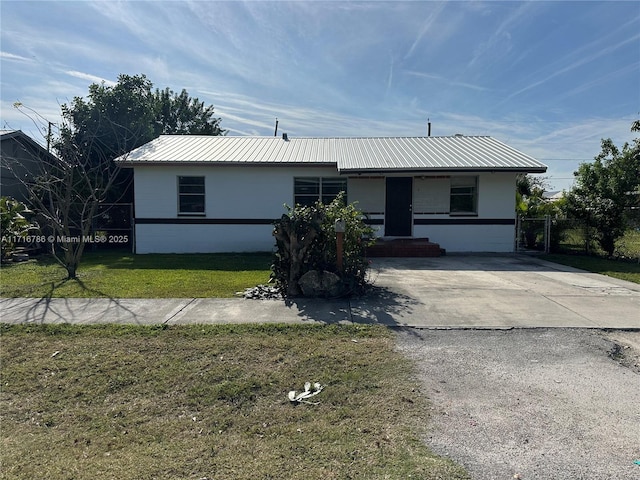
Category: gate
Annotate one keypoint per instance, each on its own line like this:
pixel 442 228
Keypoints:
pixel 533 234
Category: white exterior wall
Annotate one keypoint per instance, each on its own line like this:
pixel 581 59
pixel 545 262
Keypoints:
pixel 431 194
pixel 259 192
pixel 469 238
pixel 231 192
pixel 496 200
pixel 497 195
pixel 203 238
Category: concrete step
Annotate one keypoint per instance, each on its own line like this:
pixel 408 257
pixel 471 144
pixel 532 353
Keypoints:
pixel 405 247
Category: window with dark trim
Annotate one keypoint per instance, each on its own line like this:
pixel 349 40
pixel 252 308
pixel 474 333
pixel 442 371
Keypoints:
pixel 464 196
pixel 191 195
pixel 309 190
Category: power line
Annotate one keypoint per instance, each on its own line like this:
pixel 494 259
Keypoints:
pixel 567 159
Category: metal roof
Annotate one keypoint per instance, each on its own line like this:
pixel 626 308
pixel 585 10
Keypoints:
pixel 348 154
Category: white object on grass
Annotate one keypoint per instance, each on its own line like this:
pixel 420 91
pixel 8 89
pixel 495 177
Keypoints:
pixel 308 392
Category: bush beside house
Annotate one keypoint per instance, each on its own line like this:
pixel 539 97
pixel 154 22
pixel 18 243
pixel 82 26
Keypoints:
pixel 306 260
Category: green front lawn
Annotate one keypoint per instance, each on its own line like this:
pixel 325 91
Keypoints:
pixel 624 270
pixel 196 402
pixel 125 275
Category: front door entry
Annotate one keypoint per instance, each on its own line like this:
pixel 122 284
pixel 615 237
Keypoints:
pixel 398 215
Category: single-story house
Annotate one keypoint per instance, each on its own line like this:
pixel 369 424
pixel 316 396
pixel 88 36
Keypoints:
pixel 222 194
pixel 21 159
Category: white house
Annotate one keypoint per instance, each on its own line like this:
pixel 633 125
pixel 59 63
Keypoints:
pixel 222 194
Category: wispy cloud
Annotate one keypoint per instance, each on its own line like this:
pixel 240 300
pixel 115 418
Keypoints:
pixel 89 77
pixel 347 68
pixel 426 27
pixel 11 56
pixel 605 79
pixel 585 55
pixel 440 78
pixel 500 39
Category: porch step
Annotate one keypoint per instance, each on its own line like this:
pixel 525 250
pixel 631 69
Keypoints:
pixel 405 247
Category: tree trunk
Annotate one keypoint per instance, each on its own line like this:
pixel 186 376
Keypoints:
pixel 71 263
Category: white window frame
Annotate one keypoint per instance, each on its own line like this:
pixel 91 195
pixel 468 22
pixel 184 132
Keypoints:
pixel 464 186
pixel 182 194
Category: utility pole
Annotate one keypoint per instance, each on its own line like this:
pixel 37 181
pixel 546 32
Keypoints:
pixel 49 136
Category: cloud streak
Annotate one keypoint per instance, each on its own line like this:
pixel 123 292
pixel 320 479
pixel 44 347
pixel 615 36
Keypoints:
pixel 442 79
pixel 11 56
pixel 90 78
pixel 346 68
pixel 583 59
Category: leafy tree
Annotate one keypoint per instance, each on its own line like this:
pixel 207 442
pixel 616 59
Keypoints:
pixel 531 204
pixel 179 114
pixel 110 122
pixel 306 241
pixel 607 189
pixel 114 120
pixel 530 200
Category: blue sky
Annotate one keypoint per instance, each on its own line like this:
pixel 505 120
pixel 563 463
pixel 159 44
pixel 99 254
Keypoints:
pixel 549 78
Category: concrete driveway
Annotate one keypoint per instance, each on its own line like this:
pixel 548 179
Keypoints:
pixel 474 291
pixel 455 291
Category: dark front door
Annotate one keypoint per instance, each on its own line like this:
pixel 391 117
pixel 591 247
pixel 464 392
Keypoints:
pixel 397 212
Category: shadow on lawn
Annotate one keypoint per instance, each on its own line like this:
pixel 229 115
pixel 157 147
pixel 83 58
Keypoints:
pixel 231 262
pixel 48 309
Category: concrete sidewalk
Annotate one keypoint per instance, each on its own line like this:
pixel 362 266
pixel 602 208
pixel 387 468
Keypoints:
pixel 463 291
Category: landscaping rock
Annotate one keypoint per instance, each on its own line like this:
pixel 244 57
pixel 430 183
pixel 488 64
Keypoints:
pixel 320 284
pixel 261 292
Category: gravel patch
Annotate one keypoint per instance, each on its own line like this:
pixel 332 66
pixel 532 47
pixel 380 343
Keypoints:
pixel 532 403
pixel 261 292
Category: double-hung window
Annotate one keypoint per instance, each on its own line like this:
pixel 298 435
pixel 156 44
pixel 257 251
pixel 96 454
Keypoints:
pixel 464 195
pixel 191 195
pixel 309 190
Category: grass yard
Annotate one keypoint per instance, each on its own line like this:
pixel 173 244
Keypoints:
pixel 125 275
pixel 629 245
pixel 196 402
pixel 624 270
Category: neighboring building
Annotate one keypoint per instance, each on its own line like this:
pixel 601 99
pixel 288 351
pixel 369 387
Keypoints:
pixel 221 194
pixel 553 196
pixel 21 159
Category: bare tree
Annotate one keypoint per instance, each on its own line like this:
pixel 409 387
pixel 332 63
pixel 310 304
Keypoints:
pixel 65 191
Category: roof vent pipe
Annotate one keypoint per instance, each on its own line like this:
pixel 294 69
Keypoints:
pixel 275 134
pixel 285 137
pixel 428 127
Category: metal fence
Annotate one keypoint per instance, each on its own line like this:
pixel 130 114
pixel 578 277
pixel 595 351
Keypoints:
pixel 532 234
pixel 564 235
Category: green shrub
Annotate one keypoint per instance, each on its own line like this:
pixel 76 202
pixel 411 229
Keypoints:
pixel 306 240
pixel 15 225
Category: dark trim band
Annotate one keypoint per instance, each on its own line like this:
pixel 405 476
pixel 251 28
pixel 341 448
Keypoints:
pixel 464 221
pixel 204 221
pixel 270 221
pixel 451 221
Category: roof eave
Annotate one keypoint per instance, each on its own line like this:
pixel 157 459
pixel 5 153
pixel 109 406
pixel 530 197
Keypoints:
pixel 192 163
pixel 445 170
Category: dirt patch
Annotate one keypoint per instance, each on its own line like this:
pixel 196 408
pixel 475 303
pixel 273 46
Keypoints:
pixel 532 403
